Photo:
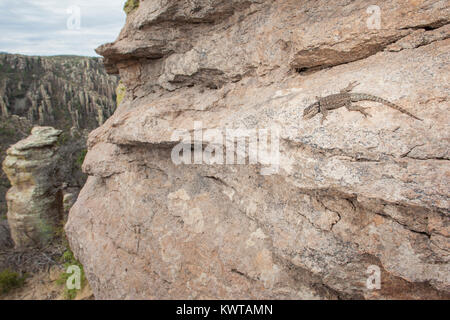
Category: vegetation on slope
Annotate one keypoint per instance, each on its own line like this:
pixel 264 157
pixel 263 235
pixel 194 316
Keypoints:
pixel 120 92
pixel 10 280
pixel 131 5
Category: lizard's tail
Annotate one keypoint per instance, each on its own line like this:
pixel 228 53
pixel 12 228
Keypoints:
pixel 368 97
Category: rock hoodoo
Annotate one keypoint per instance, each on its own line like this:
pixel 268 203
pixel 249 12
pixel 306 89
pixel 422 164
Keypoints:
pixel 350 199
pixel 35 197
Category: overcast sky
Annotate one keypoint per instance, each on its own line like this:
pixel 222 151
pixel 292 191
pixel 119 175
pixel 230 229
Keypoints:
pixel 53 27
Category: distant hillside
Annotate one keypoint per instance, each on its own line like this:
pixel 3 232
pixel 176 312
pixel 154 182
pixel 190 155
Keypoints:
pixel 61 91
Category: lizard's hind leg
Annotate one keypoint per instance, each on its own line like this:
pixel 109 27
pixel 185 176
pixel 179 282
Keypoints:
pixel 351 107
pixel 350 87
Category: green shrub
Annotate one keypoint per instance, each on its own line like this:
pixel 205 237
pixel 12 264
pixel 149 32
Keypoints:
pixel 81 156
pixel 131 5
pixel 63 139
pixel 10 280
pixel 6 131
pixel 68 257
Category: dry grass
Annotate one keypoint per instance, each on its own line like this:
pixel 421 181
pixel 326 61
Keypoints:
pixel 31 260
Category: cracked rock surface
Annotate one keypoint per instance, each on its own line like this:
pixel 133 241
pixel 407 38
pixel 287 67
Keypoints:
pixel 350 193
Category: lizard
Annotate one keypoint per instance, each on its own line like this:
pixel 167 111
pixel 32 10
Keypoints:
pixel 345 98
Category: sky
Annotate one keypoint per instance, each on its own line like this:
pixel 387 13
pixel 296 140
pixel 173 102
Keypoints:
pixel 56 27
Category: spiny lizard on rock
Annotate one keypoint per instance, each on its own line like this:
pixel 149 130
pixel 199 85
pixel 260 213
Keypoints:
pixel 345 99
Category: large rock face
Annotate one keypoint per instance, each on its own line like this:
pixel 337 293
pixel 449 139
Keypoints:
pixel 35 198
pixel 350 195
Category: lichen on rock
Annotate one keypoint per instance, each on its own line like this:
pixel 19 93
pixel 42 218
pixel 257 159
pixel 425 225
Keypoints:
pixel 120 93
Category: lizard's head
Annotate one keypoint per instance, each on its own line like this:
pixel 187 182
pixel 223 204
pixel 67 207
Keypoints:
pixel 311 111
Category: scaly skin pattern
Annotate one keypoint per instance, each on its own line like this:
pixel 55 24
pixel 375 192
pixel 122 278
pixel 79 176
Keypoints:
pixel 346 99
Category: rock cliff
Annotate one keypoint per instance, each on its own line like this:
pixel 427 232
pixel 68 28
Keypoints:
pixel 35 198
pixel 344 201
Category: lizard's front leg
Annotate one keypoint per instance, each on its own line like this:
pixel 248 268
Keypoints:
pixel 351 107
pixel 324 112
pixel 350 87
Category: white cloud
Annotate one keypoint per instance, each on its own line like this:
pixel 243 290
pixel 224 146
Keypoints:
pixel 40 27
